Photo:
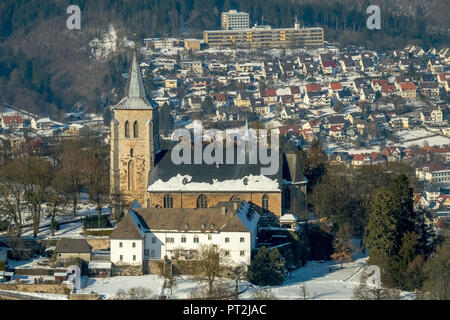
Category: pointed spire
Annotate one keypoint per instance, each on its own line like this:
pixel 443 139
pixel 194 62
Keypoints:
pixel 135 94
pixel 135 86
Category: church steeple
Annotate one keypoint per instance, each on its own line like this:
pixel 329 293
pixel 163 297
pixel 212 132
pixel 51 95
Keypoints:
pixel 135 94
pixel 134 141
pixel 135 85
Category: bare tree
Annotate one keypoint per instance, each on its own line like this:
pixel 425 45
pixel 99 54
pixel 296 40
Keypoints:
pixel 367 291
pixel 12 194
pixel 237 273
pixel 342 245
pixel 135 293
pixel 212 264
pixel 305 294
pixel 55 198
pixel 71 168
pixel 264 294
pixel 38 176
pixel 96 172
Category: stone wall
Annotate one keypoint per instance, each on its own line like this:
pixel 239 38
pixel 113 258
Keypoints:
pixel 39 288
pixel 89 296
pixel 189 199
pixel 98 244
pixel 126 270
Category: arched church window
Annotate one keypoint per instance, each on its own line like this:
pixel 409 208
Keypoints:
pixel 287 198
pixel 131 175
pixel 235 198
pixel 202 202
pixel 136 130
pixel 265 203
pixel 168 201
pixel 131 152
pixel 127 129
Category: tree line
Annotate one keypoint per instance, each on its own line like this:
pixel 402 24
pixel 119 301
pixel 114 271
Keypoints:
pixel 37 185
pixel 375 204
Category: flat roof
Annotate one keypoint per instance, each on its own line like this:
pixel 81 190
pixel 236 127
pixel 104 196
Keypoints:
pixel 263 29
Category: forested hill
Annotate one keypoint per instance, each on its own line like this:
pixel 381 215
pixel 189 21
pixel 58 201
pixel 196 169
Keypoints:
pixel 46 68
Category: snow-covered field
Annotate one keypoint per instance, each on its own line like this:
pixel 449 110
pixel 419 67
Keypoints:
pixel 108 287
pixel 325 280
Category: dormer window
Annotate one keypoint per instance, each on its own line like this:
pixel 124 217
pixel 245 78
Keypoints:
pixel 186 226
pixel 212 226
pixel 203 226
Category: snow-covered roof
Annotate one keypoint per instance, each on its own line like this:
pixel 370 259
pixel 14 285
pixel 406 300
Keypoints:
pixel 288 217
pixel 249 183
pixel 250 221
pixel 99 265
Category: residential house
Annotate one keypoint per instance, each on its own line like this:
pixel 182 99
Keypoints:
pixel 361 159
pixel 73 249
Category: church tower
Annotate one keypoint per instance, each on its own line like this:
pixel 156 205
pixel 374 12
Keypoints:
pixel 134 142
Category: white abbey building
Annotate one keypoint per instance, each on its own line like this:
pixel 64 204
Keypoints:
pixel 153 233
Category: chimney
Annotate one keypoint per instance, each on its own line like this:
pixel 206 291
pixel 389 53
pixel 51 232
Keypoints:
pixel 235 206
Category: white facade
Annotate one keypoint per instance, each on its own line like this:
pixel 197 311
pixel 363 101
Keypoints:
pixel 233 20
pixel 127 251
pixel 237 246
pixel 154 244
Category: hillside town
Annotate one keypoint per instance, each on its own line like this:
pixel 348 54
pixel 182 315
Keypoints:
pixel 158 222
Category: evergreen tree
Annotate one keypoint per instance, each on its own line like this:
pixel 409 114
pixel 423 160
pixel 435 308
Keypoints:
pixel 437 271
pixel 208 106
pixel 267 268
pixel 390 230
pixel 165 117
pixel 399 264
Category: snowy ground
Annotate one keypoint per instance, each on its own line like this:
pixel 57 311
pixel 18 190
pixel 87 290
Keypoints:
pixel 108 287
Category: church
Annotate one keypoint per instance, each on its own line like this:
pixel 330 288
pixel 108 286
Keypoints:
pixel 141 171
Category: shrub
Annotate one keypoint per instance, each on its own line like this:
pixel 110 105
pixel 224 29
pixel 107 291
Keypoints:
pixel 4 225
pixel 136 293
pixel 56 225
pixel 91 222
pixel 98 233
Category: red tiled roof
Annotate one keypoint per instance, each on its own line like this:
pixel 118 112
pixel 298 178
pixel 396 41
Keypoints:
pixel 270 93
pixel 389 88
pixel 409 86
pixel 417 198
pixel 433 166
pixel 313 87
pixel 286 129
pixel 327 64
pixel 358 157
pixel 336 86
pixel 218 97
pixel 381 82
pixel 444 76
pixel 12 120
pixel 295 90
pixel 436 150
